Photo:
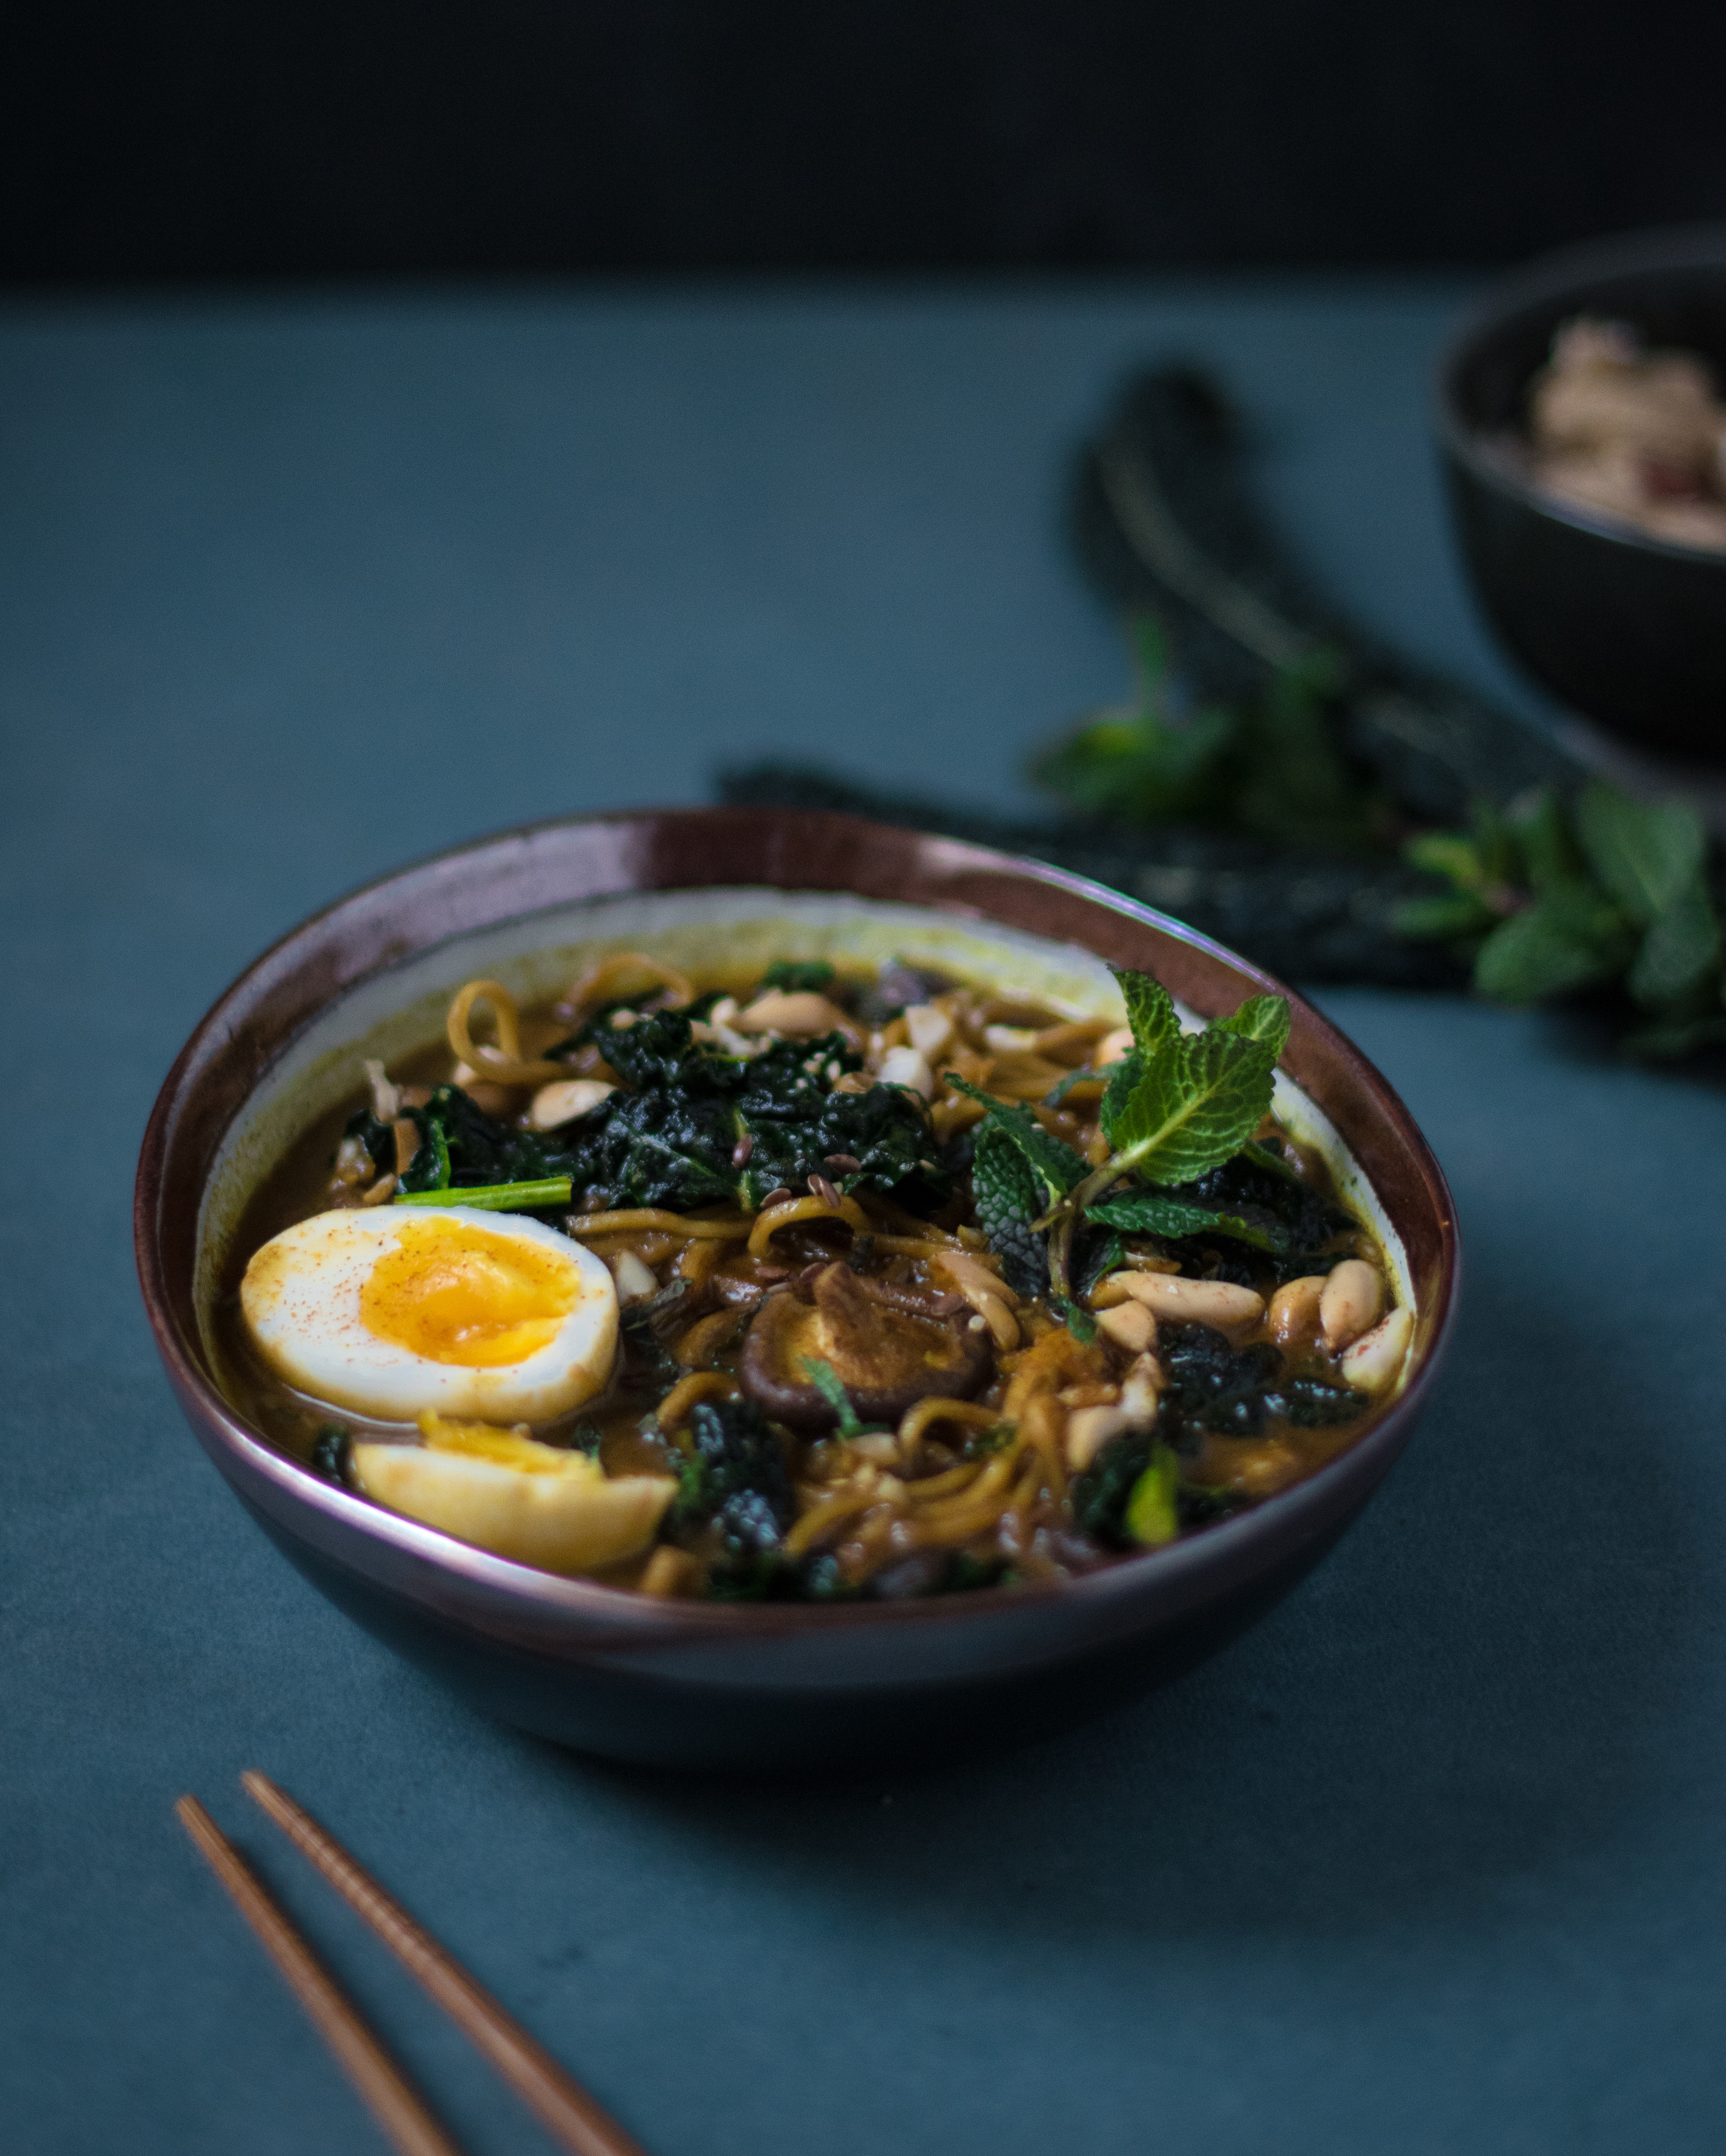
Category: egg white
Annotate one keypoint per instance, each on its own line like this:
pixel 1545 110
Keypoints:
pixel 300 1300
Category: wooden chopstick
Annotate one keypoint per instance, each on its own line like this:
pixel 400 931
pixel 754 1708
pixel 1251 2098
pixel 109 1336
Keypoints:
pixel 396 2104
pixel 563 2106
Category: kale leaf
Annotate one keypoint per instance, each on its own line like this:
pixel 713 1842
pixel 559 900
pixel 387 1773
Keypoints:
pixel 1214 1386
pixel 672 1132
pixel 735 1478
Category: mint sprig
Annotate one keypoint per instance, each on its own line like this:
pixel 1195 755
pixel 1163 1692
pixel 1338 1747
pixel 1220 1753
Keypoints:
pixel 1550 899
pixel 1178 1105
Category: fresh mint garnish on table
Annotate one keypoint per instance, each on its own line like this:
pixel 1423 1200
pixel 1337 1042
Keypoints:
pixel 1553 897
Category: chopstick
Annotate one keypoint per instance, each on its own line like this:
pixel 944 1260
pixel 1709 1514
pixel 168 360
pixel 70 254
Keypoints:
pixel 395 2103
pixel 566 2110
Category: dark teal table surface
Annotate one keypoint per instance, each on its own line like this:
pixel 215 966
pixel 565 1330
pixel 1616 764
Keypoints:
pixel 1434 1861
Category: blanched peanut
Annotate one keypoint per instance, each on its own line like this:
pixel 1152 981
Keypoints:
pixel 1088 1430
pixel 634 1280
pixel 1111 1047
pixel 1220 1303
pixel 1130 1326
pixel 800 1016
pixel 1293 1315
pixel 908 1066
pixel 566 1101
pixel 928 1029
pixel 1372 1364
pixel 1352 1297
pixel 1142 1389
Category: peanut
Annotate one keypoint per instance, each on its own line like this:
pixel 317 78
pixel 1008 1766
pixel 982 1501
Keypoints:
pixel 1293 1315
pixel 1372 1363
pixel 1130 1326
pixel 566 1101
pixel 1352 1298
pixel 1181 1301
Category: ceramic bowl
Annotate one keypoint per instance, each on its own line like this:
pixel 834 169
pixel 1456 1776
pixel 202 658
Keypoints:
pixel 769 1687
pixel 1626 630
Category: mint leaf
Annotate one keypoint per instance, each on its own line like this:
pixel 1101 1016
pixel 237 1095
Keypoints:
pixel 1150 1010
pixel 1572 937
pixel 1195 1106
pixel 1645 852
pixel 828 1383
pixel 1119 1091
pixel 1443 918
pixel 1680 948
pixel 1056 1166
pixel 1009 1199
pixel 1149 1213
pixel 1540 833
pixel 1260 1018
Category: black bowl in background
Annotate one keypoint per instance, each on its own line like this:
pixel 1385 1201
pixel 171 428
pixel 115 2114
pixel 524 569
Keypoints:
pixel 1626 630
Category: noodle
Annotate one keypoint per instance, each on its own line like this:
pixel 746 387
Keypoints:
pixel 769 1224
pixel 503 1064
pixel 683 1226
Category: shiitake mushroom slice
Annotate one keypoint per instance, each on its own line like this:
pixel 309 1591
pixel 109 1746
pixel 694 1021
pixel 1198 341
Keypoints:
pixel 886 1357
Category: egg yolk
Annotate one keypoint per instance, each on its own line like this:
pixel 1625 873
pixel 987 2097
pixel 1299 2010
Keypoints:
pixel 452 1293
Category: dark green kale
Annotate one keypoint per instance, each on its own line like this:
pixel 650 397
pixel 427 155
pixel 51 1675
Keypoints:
pixel 1309 1403
pixel 689 1126
pixel 1214 1386
pixel 1258 1186
pixel 734 1477
pixel 380 1139
pixel 461 1147
pixel 1100 1495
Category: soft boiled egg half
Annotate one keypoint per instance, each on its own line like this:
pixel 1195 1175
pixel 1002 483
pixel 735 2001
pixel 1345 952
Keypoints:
pixel 400 1312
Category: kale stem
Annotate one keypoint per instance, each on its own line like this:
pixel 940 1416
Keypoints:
pixel 496 1196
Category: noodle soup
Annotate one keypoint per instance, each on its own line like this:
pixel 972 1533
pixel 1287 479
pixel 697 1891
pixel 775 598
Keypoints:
pixel 812 1281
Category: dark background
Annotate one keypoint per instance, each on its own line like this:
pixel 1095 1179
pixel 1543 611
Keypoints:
pixel 224 140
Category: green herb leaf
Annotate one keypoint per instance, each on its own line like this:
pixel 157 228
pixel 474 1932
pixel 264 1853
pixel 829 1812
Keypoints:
pixel 1445 917
pixel 1076 1318
pixel 1265 1018
pixel 1195 1105
pixel 1055 1165
pixel 1682 946
pixel 1645 852
pixel 828 1383
pixel 1572 937
pixel 1009 1199
pixel 1150 1010
pixel 1149 1213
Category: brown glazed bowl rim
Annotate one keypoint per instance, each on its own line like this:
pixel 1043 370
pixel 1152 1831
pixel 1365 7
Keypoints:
pixel 1568 275
pixel 510 875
